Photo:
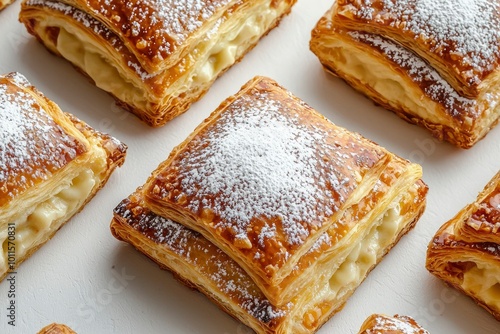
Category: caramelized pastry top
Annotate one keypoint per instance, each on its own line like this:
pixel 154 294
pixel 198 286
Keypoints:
pixel 229 278
pixel 487 213
pixel 32 145
pixel 156 27
pixel 446 238
pixel 265 174
pixel 463 34
pixel 482 223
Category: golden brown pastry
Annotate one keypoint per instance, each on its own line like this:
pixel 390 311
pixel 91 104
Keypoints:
pixel 384 324
pixel 5 3
pixel 52 164
pixel 465 252
pixel 156 57
pixel 273 211
pixel 56 329
pixel 434 63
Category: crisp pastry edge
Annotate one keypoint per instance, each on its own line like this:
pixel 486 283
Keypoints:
pixel 469 233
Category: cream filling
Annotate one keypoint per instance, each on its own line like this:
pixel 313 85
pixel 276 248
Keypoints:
pixel 80 50
pixel 389 84
pixel 392 86
pixel 225 51
pixel 77 47
pixel 364 255
pixel 354 268
pixel 484 282
pixel 35 226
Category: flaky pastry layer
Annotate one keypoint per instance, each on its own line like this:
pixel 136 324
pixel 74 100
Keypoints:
pixel 156 93
pixel 200 264
pixel 384 324
pixel 52 165
pixel 465 252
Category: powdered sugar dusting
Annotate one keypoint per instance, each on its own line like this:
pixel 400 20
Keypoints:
pixel 262 163
pixel 434 86
pixel 181 17
pixel 270 171
pixel 397 324
pixel 467 31
pixel 32 145
pixel 209 260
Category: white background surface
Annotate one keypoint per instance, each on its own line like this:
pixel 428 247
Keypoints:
pixel 72 279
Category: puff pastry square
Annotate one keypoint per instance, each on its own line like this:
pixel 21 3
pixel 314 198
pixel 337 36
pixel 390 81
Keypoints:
pixel 465 252
pixel 56 329
pixel 51 163
pixel 273 211
pixel 434 63
pixel 156 57
pixel 384 324
pixel 5 3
